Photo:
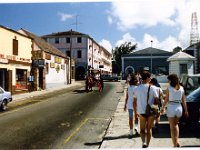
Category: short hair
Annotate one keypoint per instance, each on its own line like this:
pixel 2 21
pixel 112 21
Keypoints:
pixel 133 80
pixel 174 80
pixel 145 75
pixel 154 81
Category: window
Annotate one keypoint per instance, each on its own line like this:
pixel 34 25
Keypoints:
pixel 67 40
pixel 79 54
pixel 21 79
pixel 56 40
pixel 68 53
pixel 79 40
pixel 183 69
pixel 15 46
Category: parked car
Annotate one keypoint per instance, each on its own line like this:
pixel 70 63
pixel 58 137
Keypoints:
pixel 190 82
pixel 5 98
pixel 109 77
pixel 193 104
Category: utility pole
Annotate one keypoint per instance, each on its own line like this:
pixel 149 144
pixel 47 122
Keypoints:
pixel 151 54
pixel 70 56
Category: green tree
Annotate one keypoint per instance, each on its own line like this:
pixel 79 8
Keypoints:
pixel 125 48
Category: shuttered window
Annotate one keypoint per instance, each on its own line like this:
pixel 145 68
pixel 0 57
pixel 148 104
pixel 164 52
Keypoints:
pixel 15 47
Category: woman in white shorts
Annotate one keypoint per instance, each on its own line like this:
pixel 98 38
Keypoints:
pixel 174 97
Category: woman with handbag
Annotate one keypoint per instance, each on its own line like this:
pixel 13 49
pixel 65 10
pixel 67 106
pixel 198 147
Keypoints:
pixel 174 97
pixel 145 94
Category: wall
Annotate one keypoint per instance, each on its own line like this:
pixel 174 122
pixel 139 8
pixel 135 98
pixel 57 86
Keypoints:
pixel 54 78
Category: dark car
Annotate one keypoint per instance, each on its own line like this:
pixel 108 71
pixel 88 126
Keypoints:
pixel 193 104
pixel 109 77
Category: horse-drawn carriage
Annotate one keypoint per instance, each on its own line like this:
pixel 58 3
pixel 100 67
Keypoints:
pixel 94 80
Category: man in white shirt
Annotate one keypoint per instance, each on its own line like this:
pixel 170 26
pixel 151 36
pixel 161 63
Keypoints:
pixel 146 122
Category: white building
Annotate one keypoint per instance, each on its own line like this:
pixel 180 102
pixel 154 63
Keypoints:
pixel 50 66
pixel 85 51
pixel 181 63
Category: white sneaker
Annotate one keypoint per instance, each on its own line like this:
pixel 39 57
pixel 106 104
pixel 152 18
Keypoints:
pixel 131 132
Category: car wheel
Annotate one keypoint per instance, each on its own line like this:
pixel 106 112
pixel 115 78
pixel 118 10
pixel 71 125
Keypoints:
pixel 4 105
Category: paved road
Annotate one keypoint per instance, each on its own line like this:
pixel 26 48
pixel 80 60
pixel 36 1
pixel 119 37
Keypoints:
pixel 69 118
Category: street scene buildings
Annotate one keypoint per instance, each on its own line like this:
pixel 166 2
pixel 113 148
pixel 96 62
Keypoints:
pixel 86 52
pixel 69 89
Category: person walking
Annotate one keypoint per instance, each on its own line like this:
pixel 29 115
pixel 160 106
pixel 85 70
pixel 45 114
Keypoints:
pixel 154 82
pixel 130 103
pixel 174 97
pixel 143 92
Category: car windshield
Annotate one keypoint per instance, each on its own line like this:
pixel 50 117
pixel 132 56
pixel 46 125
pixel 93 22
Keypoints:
pixel 194 96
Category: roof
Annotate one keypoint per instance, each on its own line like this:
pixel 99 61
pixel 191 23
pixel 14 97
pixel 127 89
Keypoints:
pixel 180 56
pixel 149 51
pixel 73 33
pixel 11 30
pixel 65 33
pixel 45 46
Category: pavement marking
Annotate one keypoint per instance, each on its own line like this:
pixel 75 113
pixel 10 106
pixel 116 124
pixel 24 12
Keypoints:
pixel 77 129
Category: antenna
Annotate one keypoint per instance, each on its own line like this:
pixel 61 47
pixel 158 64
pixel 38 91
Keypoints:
pixel 76 23
pixel 194 34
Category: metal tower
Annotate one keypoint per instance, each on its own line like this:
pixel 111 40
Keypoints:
pixel 194 34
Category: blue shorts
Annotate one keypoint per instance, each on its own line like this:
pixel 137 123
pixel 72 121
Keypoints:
pixel 130 113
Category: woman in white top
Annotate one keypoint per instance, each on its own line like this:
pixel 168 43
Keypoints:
pixel 129 102
pixel 146 122
pixel 174 97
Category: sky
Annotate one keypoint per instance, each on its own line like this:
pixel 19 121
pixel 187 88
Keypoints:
pixel 167 23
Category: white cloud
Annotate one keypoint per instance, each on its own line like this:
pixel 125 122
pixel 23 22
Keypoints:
pixel 126 38
pixel 153 14
pixel 146 13
pixel 106 44
pixel 167 44
pixel 64 17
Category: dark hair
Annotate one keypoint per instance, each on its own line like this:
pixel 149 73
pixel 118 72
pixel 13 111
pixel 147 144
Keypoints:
pixel 154 81
pixel 133 80
pixel 174 80
pixel 145 75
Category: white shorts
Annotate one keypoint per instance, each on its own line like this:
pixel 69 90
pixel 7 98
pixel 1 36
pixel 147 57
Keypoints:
pixel 174 110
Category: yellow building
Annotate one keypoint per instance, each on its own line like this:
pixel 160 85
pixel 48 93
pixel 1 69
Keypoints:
pixel 15 60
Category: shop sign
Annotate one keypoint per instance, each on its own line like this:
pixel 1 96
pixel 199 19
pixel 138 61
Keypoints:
pixel 52 65
pixel 4 61
pixel 38 63
pixel 12 57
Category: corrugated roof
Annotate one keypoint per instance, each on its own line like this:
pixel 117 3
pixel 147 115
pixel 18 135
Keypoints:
pixel 149 51
pixel 181 56
pixel 45 46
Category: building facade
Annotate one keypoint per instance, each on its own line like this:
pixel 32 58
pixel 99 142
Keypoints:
pixel 15 60
pixel 152 59
pixel 181 63
pixel 84 50
pixel 50 67
pixel 194 50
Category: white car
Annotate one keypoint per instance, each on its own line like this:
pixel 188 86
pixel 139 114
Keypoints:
pixel 5 98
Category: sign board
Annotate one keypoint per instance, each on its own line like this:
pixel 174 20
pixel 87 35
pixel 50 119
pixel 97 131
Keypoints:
pixel 38 63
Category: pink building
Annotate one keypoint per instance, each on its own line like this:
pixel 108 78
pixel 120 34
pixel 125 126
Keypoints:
pixel 85 51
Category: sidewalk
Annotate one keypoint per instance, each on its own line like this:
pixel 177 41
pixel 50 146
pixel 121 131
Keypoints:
pixel 20 97
pixel 117 134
